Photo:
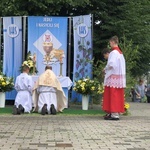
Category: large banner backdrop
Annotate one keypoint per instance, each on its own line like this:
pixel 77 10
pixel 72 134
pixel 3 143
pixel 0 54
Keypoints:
pixel 47 29
pixel 12 57
pixel 83 52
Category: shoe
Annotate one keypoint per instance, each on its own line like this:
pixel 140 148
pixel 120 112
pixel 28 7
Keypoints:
pixel 18 111
pixel 111 118
pixel 21 108
pixel 15 110
pixel 44 109
pixel 52 109
pixel 107 115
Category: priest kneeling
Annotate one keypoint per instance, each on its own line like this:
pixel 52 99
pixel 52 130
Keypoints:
pixel 51 98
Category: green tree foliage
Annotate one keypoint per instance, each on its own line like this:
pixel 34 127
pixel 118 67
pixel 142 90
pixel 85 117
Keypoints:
pixel 40 7
pixel 131 54
pixel 127 18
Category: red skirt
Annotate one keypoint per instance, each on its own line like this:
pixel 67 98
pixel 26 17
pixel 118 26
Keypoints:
pixel 113 100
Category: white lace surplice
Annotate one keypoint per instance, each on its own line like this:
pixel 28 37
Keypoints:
pixel 115 71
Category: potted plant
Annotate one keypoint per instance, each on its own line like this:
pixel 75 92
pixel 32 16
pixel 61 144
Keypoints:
pixel 6 84
pixel 87 87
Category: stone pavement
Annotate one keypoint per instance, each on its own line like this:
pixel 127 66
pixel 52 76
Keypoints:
pixel 36 132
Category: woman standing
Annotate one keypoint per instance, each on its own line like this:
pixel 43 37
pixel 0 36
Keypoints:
pixel 140 91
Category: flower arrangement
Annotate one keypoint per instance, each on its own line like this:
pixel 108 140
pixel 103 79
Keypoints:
pixel 126 108
pixel 87 86
pixel 31 63
pixel 6 83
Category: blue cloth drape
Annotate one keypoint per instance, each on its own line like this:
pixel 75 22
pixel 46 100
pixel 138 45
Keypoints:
pixel 12 57
pixel 83 52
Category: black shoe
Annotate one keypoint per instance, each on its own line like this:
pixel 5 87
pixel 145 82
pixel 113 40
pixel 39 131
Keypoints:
pixel 107 115
pixel 15 110
pixel 44 109
pixel 111 118
pixel 21 109
pixel 18 111
pixel 52 109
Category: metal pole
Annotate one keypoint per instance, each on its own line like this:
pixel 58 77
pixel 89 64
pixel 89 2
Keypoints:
pixel 24 38
pixel 69 57
pixel 92 29
pixel 92 48
pixel 92 35
pixel 0 39
pixel 69 49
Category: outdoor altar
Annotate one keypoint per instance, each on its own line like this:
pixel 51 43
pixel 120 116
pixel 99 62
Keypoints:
pixel 51 57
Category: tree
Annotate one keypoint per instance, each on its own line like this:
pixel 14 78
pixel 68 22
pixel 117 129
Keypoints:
pixel 131 54
pixel 126 18
pixel 40 7
pixel 116 17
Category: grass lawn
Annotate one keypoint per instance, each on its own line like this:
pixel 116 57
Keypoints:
pixel 70 111
pixel 6 110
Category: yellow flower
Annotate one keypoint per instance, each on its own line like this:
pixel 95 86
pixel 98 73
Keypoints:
pixel 83 84
pixel 98 92
pixel 7 82
pixel 3 83
pixel 92 88
pixel 2 79
pixel 83 89
pixel 25 62
pixel 74 88
pixel 29 61
pixel 30 64
pixel 126 106
pixel 79 81
pixel 27 65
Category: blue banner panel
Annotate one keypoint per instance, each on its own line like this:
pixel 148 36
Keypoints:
pixel 12 58
pixel 83 52
pixel 46 31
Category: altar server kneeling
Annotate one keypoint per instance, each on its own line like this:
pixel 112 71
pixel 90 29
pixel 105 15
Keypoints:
pixel 24 86
pixel 51 98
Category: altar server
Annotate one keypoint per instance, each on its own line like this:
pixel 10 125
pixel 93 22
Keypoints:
pixel 114 82
pixel 24 86
pixel 51 97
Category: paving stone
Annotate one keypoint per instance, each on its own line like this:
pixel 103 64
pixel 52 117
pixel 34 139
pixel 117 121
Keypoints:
pixel 60 132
